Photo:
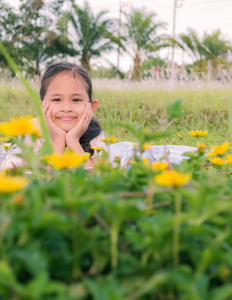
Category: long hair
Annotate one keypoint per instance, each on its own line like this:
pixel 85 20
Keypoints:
pixel 94 128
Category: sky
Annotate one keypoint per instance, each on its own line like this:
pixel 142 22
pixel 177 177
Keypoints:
pixel 201 15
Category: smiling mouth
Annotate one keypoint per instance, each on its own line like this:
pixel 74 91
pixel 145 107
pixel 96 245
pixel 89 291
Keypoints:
pixel 66 119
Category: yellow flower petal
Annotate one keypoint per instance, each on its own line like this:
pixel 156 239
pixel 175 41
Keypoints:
pixel 112 139
pixel 218 161
pixel 197 133
pixel 220 149
pixel 228 159
pixel 172 178
pixel 146 146
pixel 132 162
pixel 68 159
pixel 19 126
pixel 159 166
pixel 97 148
pixel 145 161
pixel 10 184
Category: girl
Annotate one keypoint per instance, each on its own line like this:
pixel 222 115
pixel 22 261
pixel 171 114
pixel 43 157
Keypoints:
pixel 68 105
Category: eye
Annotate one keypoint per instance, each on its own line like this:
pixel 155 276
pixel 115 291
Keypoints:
pixel 56 100
pixel 77 100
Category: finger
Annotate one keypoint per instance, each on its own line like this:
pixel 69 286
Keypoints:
pixel 87 116
pixel 45 106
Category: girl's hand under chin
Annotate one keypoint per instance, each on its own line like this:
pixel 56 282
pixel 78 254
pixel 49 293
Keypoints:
pixel 81 127
pixel 58 135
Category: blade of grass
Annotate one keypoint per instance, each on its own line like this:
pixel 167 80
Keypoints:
pixel 230 118
pixel 34 97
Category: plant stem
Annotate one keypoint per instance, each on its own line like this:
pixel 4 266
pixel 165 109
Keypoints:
pixel 114 245
pixel 176 233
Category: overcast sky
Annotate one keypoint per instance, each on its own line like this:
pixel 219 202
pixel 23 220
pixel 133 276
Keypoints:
pixel 202 15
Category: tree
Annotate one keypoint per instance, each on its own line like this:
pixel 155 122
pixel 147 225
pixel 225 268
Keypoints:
pixel 35 34
pixel 45 34
pixel 142 31
pixel 217 49
pixel 92 35
pixel 211 47
pixel 9 25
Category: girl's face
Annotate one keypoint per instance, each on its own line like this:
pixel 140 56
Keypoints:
pixel 67 96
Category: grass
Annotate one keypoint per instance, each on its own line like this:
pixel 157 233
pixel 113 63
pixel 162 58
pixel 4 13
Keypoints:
pixel 205 106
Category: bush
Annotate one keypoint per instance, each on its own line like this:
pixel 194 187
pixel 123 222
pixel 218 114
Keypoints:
pixel 118 233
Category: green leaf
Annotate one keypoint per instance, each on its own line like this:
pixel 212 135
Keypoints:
pixel 222 293
pixel 174 110
pixel 230 118
pixel 7 277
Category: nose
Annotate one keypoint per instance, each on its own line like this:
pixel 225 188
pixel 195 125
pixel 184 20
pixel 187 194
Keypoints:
pixel 66 106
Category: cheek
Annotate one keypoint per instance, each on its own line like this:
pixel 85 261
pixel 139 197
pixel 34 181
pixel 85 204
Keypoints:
pixel 80 109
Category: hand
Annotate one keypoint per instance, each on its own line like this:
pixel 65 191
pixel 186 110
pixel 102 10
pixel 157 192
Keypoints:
pixel 80 128
pixel 58 135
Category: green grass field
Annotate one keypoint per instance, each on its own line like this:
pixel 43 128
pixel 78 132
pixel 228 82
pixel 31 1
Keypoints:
pixel 204 107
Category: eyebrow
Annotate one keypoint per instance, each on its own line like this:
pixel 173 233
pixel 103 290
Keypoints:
pixel 75 94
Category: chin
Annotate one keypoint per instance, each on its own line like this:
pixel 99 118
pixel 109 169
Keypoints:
pixel 66 127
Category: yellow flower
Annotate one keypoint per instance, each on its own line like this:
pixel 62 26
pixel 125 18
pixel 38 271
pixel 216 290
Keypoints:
pixel 6 147
pixel 146 146
pixel 220 149
pixel 201 147
pixel 197 133
pixel 110 139
pixel 132 162
pixel 218 161
pixel 10 184
pixel 190 115
pixel 211 154
pixel 159 166
pixel 228 159
pixel 68 159
pixel 97 148
pixel 180 135
pixel 145 161
pixel 19 126
pixel 172 178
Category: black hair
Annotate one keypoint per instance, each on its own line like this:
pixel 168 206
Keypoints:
pixel 94 128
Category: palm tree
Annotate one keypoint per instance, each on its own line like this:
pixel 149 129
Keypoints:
pixel 93 35
pixel 142 32
pixel 217 48
pixel 208 48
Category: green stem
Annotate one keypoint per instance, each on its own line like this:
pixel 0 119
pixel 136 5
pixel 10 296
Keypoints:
pixel 176 233
pixel 30 158
pixel 114 245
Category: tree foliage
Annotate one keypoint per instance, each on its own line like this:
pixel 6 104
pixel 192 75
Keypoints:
pixel 210 47
pixel 93 35
pixel 142 33
pixel 34 34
